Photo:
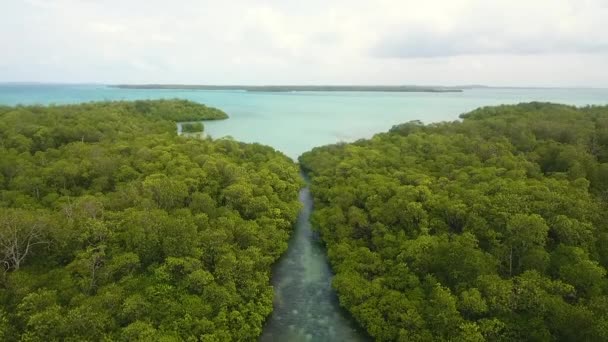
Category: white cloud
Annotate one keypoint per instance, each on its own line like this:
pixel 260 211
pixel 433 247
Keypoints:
pixel 503 28
pixel 515 42
pixel 422 44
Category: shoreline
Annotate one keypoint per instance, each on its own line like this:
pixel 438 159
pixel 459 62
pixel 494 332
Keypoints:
pixel 291 88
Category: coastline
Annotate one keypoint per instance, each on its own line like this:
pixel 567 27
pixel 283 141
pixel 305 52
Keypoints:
pixel 292 88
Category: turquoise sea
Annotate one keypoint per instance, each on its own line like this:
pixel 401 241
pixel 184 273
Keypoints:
pixel 305 306
pixel 295 122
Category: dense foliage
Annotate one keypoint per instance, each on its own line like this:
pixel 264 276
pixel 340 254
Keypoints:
pixel 178 110
pixel 492 228
pixel 113 227
pixel 192 127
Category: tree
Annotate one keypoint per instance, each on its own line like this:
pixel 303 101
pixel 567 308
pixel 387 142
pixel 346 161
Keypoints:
pixel 166 192
pixel 523 233
pixel 20 232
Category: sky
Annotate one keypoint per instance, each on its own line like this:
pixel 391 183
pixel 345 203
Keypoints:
pixel 561 43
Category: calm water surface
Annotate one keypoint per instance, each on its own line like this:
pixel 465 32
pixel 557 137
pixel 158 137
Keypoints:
pixel 306 308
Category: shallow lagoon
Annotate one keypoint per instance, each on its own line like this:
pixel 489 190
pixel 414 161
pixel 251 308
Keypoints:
pixel 296 122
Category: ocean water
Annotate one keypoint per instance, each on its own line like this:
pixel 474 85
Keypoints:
pixel 295 122
pixel 305 306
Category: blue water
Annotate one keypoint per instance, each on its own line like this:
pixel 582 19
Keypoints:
pixel 296 122
pixel 305 306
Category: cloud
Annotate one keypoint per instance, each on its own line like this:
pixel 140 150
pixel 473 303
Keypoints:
pixel 424 44
pixel 499 27
pixel 527 42
pixel 105 28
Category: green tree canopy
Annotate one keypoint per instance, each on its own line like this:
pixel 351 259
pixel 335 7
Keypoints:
pixel 112 227
pixel 491 228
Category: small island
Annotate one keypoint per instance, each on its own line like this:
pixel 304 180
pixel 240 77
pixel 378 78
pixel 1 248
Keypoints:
pixel 192 127
pixel 297 88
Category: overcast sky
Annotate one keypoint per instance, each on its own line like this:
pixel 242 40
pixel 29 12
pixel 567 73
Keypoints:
pixel 448 42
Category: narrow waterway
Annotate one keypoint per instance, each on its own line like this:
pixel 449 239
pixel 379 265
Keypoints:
pixel 305 305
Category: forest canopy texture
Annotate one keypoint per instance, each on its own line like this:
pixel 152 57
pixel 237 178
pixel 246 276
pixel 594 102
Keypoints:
pixel 114 228
pixel 493 228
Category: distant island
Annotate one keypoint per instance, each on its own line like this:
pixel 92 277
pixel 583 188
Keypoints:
pixel 288 88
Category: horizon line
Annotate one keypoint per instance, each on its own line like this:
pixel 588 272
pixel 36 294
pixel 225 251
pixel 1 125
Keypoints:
pixel 457 86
